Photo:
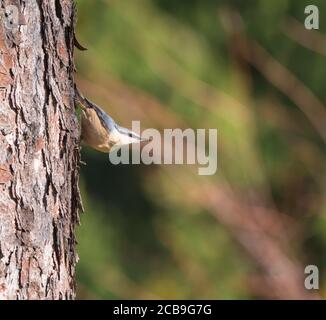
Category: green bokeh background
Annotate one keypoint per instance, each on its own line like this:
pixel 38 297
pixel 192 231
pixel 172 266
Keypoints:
pixel 144 233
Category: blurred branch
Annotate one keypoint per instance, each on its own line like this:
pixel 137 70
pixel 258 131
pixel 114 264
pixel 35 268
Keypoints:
pixel 277 74
pixel 311 39
pixel 259 230
pixel 291 86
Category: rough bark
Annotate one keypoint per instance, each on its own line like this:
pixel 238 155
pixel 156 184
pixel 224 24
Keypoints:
pixel 39 152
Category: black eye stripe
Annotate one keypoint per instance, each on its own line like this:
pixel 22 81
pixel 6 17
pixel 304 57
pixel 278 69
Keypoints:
pixel 126 133
pixel 131 135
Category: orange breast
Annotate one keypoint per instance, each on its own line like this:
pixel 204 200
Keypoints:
pixel 93 132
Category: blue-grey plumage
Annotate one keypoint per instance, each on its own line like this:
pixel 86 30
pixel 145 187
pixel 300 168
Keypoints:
pixel 100 131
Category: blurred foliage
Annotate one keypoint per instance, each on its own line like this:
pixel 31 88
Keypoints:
pixel 183 64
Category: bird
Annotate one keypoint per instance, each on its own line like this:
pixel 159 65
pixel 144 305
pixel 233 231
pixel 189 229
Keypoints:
pixel 100 131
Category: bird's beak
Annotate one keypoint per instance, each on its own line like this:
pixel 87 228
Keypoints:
pixel 146 139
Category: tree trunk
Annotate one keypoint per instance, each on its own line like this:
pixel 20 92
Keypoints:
pixel 39 150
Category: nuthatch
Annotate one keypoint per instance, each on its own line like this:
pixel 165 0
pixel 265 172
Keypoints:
pixel 100 131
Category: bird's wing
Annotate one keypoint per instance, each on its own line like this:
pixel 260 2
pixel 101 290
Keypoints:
pixel 105 119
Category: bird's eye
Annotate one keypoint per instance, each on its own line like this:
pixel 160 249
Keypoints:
pixel 130 135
